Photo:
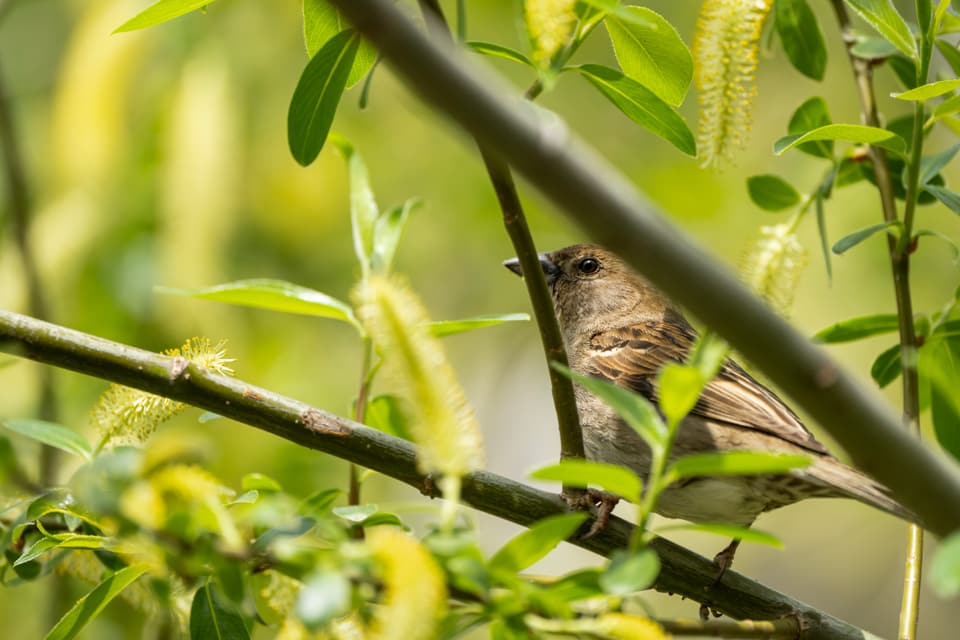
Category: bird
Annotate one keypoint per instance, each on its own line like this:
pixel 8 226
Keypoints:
pixel 617 326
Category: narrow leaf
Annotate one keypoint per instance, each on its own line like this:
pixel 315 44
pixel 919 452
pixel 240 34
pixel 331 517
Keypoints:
pixel 49 433
pixel 635 410
pixel 931 165
pixel 950 54
pixel 536 542
pixel 933 233
pixel 824 240
pixel 386 234
pixel 317 95
pixel 850 132
pixel 887 367
pixel 810 115
pixel 274 295
pixel 651 52
pixel 630 572
pixel 855 238
pixel 356 513
pixel 321 22
pixel 641 105
pixel 949 106
pixel 771 192
pixel 162 11
pixel 945 569
pixel 940 363
pixel 883 16
pixel 747 534
pixel 858 328
pixel 584 473
pixel 680 386
pixel 363 206
pixel 951 199
pixel 499 51
pixel 929 90
pixel 801 37
pixel 735 463
pixel 89 606
pixel 444 328
pixel 384 414
pixel 212 617
pixel 259 482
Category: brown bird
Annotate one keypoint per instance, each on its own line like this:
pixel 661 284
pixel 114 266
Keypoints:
pixel 618 327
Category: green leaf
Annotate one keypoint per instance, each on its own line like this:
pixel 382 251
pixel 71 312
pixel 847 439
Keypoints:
pixel 355 513
pixel 950 54
pixel 324 597
pixel 949 106
pixel 89 606
pixel 211 617
pixel 612 478
pixel 630 572
pixel 536 542
pixel 317 95
pixel 651 52
pixel 801 37
pixel 274 295
pixel 931 165
pixel 848 241
pixel 858 328
pixel 945 569
pixel 61 541
pixel 942 236
pixel 873 49
pixel 708 354
pixel 49 433
pixel 384 413
pixel 883 16
pixel 940 363
pixel 321 22
pixel 444 328
pixel 747 534
pixel 951 199
pixel 635 410
pixel 319 503
pixel 810 115
pixel 771 192
pixel 850 132
pixel 641 105
pixel 499 51
pixel 162 11
pixel 887 367
pixel 822 233
pixel 906 71
pixel 260 482
pixel 680 386
pixel 735 463
pixel 363 206
pixel 386 234
pixel 929 90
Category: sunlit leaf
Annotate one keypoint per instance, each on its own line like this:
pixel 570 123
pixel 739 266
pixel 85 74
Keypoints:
pixel 499 51
pixel 680 386
pixel 584 473
pixel 355 513
pixel 89 606
pixel 317 95
pixel 363 206
pixel 162 11
pixel 321 22
pixel 443 328
pixel 387 231
pixel 259 482
pixel 810 115
pixel 735 463
pixel 849 132
pixel 950 199
pixel 858 328
pixel 212 617
pixel 49 433
pixel 747 534
pixel 851 240
pixel 641 105
pixel 883 16
pixel 771 192
pixel 536 542
pixel 950 54
pixel 274 295
pixel 887 366
pixel 929 90
pixel 940 363
pixel 630 572
pixel 801 37
pixel 651 52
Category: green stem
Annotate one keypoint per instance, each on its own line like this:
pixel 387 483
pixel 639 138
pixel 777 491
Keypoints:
pixel 359 415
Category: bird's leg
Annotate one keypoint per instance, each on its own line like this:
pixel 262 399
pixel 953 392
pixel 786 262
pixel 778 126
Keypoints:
pixel 603 501
pixel 724 559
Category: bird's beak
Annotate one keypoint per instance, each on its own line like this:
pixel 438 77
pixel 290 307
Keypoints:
pixel 550 270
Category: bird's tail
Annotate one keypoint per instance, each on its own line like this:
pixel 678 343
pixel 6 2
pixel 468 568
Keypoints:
pixel 846 482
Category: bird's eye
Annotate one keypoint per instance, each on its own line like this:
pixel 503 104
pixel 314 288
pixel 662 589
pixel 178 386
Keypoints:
pixel 588 266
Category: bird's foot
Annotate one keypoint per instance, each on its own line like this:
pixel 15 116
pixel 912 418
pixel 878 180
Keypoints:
pixel 706 611
pixel 589 499
pixel 724 560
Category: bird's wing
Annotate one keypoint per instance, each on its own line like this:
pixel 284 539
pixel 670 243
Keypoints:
pixel 632 357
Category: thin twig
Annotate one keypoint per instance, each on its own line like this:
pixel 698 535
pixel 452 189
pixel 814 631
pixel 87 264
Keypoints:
pixel 683 572
pixel 515 222
pixel 608 207
pixel 899 248
pixel 783 629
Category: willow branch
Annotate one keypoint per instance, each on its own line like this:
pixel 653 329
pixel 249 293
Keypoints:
pixel 684 572
pixel 515 222
pixel 609 208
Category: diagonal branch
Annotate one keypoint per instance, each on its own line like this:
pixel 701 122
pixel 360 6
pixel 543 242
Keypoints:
pixel 606 206
pixel 684 572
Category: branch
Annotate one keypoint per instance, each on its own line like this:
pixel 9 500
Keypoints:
pixel 606 206
pixel 684 572
pixel 515 222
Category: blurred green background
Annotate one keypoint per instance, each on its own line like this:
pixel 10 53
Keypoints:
pixel 160 158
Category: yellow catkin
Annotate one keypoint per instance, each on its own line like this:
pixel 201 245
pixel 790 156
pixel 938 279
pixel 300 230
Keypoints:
pixel 124 415
pixel 620 626
pixel 440 421
pixel 772 266
pixel 414 591
pixel 548 24
pixel 725 49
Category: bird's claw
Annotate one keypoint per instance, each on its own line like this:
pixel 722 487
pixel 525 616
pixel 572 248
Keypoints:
pixel 589 499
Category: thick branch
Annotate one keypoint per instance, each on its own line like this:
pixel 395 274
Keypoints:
pixel 515 222
pixel 605 205
pixel 684 573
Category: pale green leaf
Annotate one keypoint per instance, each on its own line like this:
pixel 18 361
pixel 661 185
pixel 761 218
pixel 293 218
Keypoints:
pixel 49 433
pixel 584 473
pixel 849 132
pixel 89 606
pixel 536 542
pixel 162 11
pixel 883 16
pixel 735 463
pixel 363 205
pixel 929 90
pixel 747 534
pixel 680 386
pixel 630 572
pixel 851 240
pixel 386 234
pixel 858 328
pixel 498 51
pixel 945 569
pixel 321 22
pixel 444 328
